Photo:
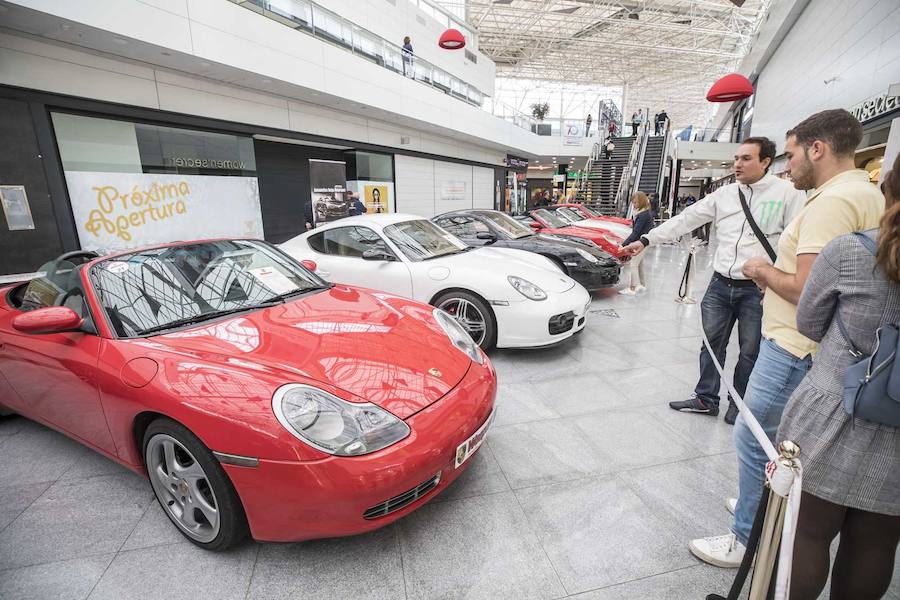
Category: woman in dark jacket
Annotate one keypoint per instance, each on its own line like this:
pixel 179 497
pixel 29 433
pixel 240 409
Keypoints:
pixel 642 221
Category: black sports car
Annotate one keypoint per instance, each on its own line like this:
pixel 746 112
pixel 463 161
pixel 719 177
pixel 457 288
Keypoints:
pixel 587 264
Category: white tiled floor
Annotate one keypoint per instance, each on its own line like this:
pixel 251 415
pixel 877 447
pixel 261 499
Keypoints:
pixel 589 486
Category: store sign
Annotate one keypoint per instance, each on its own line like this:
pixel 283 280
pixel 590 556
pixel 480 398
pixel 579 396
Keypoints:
pixel 205 163
pixel 453 191
pixel 120 210
pixel 516 162
pixel 875 107
pixel 573 133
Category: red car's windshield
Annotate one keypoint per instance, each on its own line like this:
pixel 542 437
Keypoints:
pixel 551 219
pixel 163 288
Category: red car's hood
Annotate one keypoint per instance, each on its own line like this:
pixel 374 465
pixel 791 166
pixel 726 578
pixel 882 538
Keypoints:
pixel 378 348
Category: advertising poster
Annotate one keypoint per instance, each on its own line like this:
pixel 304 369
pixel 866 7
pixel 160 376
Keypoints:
pixel 124 210
pixel 328 186
pixel 376 196
pixel 573 133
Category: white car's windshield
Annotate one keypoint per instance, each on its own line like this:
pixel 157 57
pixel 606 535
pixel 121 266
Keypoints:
pixel 551 219
pixel 423 240
pixel 510 226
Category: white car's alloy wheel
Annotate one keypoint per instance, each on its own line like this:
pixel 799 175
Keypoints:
pixel 468 315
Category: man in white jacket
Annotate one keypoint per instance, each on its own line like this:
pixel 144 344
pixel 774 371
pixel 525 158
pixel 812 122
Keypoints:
pixel 732 297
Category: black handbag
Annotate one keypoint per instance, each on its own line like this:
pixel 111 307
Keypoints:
pixel 872 383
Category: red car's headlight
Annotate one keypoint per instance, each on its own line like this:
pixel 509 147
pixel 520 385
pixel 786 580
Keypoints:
pixel 333 425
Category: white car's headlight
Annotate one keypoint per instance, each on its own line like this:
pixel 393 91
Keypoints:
pixel 458 335
pixel 526 288
pixel 335 426
pixel 587 256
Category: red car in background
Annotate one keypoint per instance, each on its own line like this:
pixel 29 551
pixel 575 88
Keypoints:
pixel 257 397
pixel 546 222
pixel 589 213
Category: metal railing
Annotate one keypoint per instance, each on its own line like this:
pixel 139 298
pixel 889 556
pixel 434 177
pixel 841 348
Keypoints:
pixel 310 18
pixel 630 172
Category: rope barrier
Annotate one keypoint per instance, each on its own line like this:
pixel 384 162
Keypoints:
pixel 775 523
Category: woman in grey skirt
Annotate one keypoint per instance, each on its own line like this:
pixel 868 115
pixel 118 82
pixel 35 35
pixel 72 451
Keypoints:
pixel 851 467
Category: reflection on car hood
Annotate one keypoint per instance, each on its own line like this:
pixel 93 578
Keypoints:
pixel 379 348
pixel 616 229
pixel 507 261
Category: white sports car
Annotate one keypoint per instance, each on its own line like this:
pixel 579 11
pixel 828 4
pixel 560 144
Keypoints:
pixel 503 297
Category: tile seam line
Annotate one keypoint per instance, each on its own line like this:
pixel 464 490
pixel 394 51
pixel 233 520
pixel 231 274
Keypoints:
pixel 253 570
pixel 119 549
pixel 536 536
pixel 612 473
pixel 613 585
pixel 50 485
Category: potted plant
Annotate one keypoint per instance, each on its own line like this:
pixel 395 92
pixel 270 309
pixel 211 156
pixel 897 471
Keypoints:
pixel 539 110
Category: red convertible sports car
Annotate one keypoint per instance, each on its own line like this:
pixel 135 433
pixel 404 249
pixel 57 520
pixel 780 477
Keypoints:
pixel 254 395
pixel 544 221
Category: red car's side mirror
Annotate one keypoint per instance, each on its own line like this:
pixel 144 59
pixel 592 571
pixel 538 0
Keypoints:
pixel 535 225
pixel 52 319
pixel 309 264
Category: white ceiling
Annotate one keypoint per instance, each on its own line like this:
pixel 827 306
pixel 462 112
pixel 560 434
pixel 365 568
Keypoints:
pixel 668 51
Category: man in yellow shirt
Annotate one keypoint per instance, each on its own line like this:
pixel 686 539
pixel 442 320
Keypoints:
pixel 820 154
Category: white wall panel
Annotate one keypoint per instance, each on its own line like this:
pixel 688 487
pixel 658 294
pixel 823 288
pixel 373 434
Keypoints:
pixel 448 175
pixel 482 187
pixel 837 54
pixel 414 185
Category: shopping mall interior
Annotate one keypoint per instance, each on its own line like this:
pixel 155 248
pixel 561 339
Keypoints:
pixel 431 299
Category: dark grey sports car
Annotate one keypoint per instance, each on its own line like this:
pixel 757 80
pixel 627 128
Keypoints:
pixel 587 263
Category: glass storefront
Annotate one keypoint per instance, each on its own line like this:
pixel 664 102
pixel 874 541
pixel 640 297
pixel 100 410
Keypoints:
pixel 134 184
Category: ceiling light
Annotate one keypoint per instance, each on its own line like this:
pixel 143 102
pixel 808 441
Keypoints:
pixel 205 64
pixel 120 41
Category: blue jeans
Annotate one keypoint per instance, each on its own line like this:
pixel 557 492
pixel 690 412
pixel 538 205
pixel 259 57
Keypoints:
pixel 775 377
pixel 722 305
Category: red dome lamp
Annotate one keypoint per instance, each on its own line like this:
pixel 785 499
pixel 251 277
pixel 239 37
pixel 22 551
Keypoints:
pixel 730 88
pixel 452 39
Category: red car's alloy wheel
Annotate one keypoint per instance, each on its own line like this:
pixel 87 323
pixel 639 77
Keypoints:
pixel 191 486
pixel 182 488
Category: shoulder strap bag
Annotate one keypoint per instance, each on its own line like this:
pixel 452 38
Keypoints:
pixel 872 383
pixel 756 230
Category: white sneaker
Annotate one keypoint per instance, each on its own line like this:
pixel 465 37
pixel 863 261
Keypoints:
pixel 627 292
pixel 731 504
pixel 640 288
pixel 721 550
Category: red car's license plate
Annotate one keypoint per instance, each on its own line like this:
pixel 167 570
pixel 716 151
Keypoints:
pixel 468 447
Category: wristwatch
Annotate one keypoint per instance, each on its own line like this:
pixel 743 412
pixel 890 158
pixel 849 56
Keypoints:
pixel 644 241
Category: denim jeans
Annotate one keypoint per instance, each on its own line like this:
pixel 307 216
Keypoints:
pixel 722 305
pixel 775 377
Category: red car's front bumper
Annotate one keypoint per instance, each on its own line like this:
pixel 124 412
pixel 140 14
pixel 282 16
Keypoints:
pixel 293 501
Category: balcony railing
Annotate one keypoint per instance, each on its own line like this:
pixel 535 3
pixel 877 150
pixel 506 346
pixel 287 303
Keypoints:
pixel 310 18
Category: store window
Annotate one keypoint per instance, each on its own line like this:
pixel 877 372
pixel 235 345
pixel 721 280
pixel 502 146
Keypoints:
pixel 133 184
pixel 371 175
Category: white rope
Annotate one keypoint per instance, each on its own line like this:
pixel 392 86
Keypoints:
pixel 784 480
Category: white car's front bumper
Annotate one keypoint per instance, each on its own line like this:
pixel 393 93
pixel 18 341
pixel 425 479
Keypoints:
pixel 526 323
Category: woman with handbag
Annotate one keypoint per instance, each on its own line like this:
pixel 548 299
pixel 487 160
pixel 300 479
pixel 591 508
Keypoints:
pixel 851 465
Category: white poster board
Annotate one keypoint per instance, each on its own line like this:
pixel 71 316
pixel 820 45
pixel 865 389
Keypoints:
pixel 573 133
pixel 122 210
pixel 454 191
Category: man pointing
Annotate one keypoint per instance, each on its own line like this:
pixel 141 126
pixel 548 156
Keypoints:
pixel 731 296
